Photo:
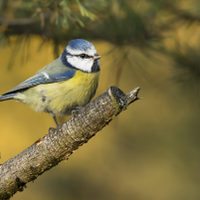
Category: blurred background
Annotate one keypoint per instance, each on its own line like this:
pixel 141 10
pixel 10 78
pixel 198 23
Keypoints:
pixel 149 152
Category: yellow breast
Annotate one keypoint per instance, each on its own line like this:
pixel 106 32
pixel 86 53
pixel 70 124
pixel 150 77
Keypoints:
pixel 62 97
pixel 77 91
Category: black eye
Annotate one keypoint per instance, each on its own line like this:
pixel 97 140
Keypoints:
pixel 82 55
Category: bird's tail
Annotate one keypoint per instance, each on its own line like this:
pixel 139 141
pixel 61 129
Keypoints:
pixel 7 96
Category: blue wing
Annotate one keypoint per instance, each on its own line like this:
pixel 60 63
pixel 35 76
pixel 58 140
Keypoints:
pixel 42 78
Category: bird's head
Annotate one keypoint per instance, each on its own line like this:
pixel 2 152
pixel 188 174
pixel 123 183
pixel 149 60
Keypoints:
pixel 82 55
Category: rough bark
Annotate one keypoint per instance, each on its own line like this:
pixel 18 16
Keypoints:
pixel 59 144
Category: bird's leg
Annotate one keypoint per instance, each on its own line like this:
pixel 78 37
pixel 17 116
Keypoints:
pixel 56 121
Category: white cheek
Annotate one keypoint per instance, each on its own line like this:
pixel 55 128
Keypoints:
pixel 79 63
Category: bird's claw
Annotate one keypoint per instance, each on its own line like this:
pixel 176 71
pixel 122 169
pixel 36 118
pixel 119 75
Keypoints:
pixel 75 111
pixel 51 129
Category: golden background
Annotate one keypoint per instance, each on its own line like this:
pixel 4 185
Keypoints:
pixel 150 151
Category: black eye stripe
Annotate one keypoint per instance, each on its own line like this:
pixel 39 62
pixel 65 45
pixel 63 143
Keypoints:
pixel 84 56
pixel 81 55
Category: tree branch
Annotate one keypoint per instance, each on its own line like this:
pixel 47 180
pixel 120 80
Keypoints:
pixel 58 145
pixel 23 21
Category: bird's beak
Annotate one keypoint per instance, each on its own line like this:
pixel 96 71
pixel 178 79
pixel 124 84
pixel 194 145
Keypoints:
pixel 97 57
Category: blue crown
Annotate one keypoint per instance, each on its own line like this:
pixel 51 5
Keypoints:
pixel 80 44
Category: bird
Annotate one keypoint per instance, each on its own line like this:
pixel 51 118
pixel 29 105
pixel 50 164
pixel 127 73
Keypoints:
pixel 64 85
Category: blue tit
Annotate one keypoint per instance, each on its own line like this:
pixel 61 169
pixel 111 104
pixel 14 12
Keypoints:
pixel 60 87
